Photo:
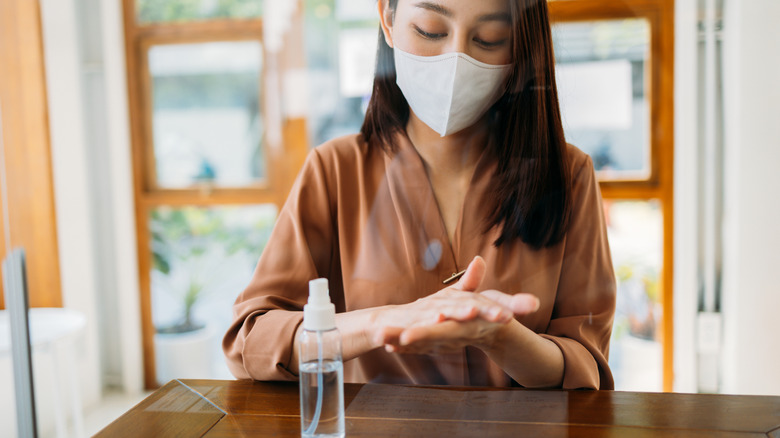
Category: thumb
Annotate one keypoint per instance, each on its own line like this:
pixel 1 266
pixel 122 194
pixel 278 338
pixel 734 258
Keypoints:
pixel 473 276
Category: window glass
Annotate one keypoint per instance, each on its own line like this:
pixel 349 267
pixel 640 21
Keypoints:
pixel 341 38
pixel 636 240
pixel 201 257
pixel 149 11
pixel 601 73
pixel 207 119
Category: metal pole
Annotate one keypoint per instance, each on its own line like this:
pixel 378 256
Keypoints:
pixel 15 287
pixel 710 323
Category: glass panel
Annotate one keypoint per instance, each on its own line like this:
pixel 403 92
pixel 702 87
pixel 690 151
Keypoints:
pixel 341 74
pixel 202 259
pixel 636 239
pixel 602 85
pixel 188 10
pixel 7 396
pixel 207 121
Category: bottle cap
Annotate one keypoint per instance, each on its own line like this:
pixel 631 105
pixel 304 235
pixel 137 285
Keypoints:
pixel 319 314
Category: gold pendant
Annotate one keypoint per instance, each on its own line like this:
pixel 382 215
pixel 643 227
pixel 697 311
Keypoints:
pixel 454 277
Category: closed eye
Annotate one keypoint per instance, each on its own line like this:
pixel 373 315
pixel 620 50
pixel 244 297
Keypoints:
pixel 428 35
pixel 490 44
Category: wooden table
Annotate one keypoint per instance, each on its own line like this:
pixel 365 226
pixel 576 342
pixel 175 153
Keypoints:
pixel 216 408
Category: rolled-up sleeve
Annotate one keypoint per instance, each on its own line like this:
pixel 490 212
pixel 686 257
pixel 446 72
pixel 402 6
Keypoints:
pixel 266 315
pixel 581 323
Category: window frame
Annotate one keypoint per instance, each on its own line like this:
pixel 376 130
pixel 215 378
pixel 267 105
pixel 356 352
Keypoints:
pixel 659 186
pixel 284 155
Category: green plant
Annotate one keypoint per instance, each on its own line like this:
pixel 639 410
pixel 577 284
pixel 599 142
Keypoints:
pixel 182 238
pixel 187 324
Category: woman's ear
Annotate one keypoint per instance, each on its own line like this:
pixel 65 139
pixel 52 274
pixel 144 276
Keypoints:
pixel 386 20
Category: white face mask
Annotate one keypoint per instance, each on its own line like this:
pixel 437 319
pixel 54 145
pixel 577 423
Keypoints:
pixel 448 92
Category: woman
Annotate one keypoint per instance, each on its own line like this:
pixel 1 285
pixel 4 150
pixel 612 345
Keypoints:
pixel 461 161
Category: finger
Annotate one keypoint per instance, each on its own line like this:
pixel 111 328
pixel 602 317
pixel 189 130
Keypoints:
pixel 499 314
pixel 468 307
pixel 429 348
pixel 473 276
pixel 519 304
pixel 459 313
pixel 470 310
pixel 524 304
pixel 446 330
pixel 388 335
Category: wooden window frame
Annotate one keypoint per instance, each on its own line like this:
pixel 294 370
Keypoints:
pixel 262 190
pixel 660 185
pixel 283 158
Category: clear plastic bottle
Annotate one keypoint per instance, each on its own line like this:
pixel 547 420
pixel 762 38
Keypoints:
pixel 321 366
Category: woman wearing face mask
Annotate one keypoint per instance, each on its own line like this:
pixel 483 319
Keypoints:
pixel 461 163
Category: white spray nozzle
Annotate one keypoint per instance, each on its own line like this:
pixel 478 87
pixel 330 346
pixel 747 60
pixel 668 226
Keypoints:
pixel 318 291
pixel 319 313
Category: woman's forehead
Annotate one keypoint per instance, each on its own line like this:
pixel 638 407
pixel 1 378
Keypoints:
pixel 453 8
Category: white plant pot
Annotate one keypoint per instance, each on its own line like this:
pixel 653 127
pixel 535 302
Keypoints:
pixel 183 355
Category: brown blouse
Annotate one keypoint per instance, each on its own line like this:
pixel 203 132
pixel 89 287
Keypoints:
pixel 369 222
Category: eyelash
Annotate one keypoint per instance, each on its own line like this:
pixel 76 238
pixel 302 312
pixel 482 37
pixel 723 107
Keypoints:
pixel 430 36
pixel 436 36
pixel 491 45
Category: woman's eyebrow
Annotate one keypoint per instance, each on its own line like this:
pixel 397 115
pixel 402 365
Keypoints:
pixel 496 16
pixel 434 7
pixel 441 10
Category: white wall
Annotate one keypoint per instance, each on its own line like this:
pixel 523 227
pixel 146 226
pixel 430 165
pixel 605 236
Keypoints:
pixel 71 180
pixel 685 194
pixel 85 76
pixel 751 292
pixel 121 230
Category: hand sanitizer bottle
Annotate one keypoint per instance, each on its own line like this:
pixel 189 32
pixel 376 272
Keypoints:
pixel 321 367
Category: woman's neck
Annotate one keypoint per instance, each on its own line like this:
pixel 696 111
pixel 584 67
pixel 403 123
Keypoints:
pixel 455 155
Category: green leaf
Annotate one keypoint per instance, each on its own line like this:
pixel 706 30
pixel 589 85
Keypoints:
pixel 161 263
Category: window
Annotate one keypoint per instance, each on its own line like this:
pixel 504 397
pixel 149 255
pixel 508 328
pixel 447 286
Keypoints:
pixel 214 154
pixel 341 39
pixel 614 69
pixel 601 70
pixel 222 120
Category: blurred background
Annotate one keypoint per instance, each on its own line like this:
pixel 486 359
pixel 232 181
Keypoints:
pixel 150 144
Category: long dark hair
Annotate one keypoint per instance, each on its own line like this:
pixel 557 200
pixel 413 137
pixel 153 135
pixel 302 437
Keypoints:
pixel 532 184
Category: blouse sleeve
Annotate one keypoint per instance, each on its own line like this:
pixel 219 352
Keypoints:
pixel 267 313
pixel 581 323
